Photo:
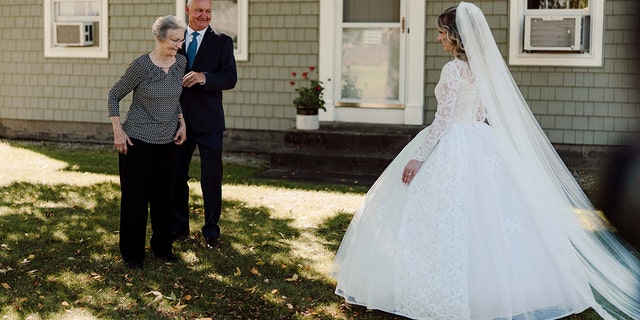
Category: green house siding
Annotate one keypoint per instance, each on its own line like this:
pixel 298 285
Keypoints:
pixel 64 98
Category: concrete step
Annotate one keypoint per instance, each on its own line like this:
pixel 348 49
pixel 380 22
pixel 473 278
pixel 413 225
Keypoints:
pixel 352 137
pixel 342 149
pixel 321 161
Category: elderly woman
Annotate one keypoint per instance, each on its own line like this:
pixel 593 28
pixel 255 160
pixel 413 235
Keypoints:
pixel 146 142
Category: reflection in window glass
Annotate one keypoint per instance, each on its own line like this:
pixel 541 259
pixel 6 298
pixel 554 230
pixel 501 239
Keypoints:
pixel 371 11
pixel 224 19
pixel 557 4
pixel 370 64
pixel 77 8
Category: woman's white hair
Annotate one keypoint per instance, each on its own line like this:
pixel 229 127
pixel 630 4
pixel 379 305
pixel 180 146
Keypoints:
pixel 162 24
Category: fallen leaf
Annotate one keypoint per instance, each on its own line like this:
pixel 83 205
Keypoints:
pixel 158 297
pixel 6 285
pixel 64 303
pixel 255 271
pixel 31 256
pixel 293 278
pixel 179 306
pixel 237 273
pixel 251 290
pixel 187 297
pixel 5 270
pixel 129 284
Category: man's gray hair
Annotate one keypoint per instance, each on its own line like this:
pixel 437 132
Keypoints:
pixel 189 2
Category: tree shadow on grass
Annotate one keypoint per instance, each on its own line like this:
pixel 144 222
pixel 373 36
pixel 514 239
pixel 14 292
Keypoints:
pixel 59 255
pixel 102 159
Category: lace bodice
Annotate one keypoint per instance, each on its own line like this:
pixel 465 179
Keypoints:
pixel 458 101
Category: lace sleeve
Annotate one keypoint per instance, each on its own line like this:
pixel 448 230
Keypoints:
pixel 481 113
pixel 449 80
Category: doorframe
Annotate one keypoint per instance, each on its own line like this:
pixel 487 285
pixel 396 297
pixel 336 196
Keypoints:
pixel 413 112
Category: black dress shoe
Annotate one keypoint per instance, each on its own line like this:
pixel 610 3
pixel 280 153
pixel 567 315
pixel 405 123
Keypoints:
pixel 135 265
pixel 168 257
pixel 213 243
pixel 180 236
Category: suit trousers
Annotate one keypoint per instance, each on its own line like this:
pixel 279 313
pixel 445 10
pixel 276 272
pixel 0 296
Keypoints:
pixel 146 181
pixel 210 181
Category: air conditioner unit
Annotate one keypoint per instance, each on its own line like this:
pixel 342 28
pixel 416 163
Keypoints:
pixel 556 33
pixel 73 34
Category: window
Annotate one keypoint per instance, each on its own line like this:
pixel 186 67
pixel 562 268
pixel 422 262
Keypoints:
pixel 369 54
pixel 230 17
pixel 556 32
pixel 75 28
pixel 371 47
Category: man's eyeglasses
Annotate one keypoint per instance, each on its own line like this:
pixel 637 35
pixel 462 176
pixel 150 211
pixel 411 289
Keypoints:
pixel 177 42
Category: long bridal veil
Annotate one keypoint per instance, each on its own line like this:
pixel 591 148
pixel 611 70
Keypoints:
pixel 612 268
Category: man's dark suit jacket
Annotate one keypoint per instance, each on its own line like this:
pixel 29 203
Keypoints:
pixel 202 104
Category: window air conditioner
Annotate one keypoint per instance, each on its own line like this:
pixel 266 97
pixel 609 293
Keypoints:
pixel 556 33
pixel 73 34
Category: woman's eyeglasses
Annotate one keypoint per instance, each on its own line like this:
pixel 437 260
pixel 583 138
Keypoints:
pixel 177 42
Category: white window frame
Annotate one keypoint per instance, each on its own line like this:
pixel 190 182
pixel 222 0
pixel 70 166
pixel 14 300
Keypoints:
pixel 517 55
pixel 241 51
pixel 100 51
pixel 413 112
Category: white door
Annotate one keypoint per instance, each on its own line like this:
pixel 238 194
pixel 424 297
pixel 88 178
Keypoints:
pixel 367 73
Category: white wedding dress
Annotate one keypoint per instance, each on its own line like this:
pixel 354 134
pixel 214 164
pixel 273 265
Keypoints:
pixel 474 236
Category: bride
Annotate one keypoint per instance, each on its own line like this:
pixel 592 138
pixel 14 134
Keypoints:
pixel 477 217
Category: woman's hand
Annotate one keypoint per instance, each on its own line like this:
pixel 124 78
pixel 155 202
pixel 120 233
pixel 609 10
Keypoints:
pixel 120 138
pixel 181 134
pixel 410 171
pixel 121 141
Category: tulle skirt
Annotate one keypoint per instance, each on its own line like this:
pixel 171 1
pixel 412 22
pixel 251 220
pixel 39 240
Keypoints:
pixel 474 236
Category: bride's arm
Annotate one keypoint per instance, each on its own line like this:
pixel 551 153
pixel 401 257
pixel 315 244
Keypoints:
pixel 444 113
pixel 449 80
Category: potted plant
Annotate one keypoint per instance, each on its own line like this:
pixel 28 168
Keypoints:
pixel 308 101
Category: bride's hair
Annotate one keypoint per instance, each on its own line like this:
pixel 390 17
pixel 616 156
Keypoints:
pixel 447 22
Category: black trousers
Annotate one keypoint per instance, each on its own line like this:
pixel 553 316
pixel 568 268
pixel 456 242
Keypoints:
pixel 147 181
pixel 210 181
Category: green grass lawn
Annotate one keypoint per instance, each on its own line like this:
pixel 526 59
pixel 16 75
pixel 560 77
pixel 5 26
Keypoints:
pixel 59 258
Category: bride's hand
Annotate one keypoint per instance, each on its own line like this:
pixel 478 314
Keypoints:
pixel 410 171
